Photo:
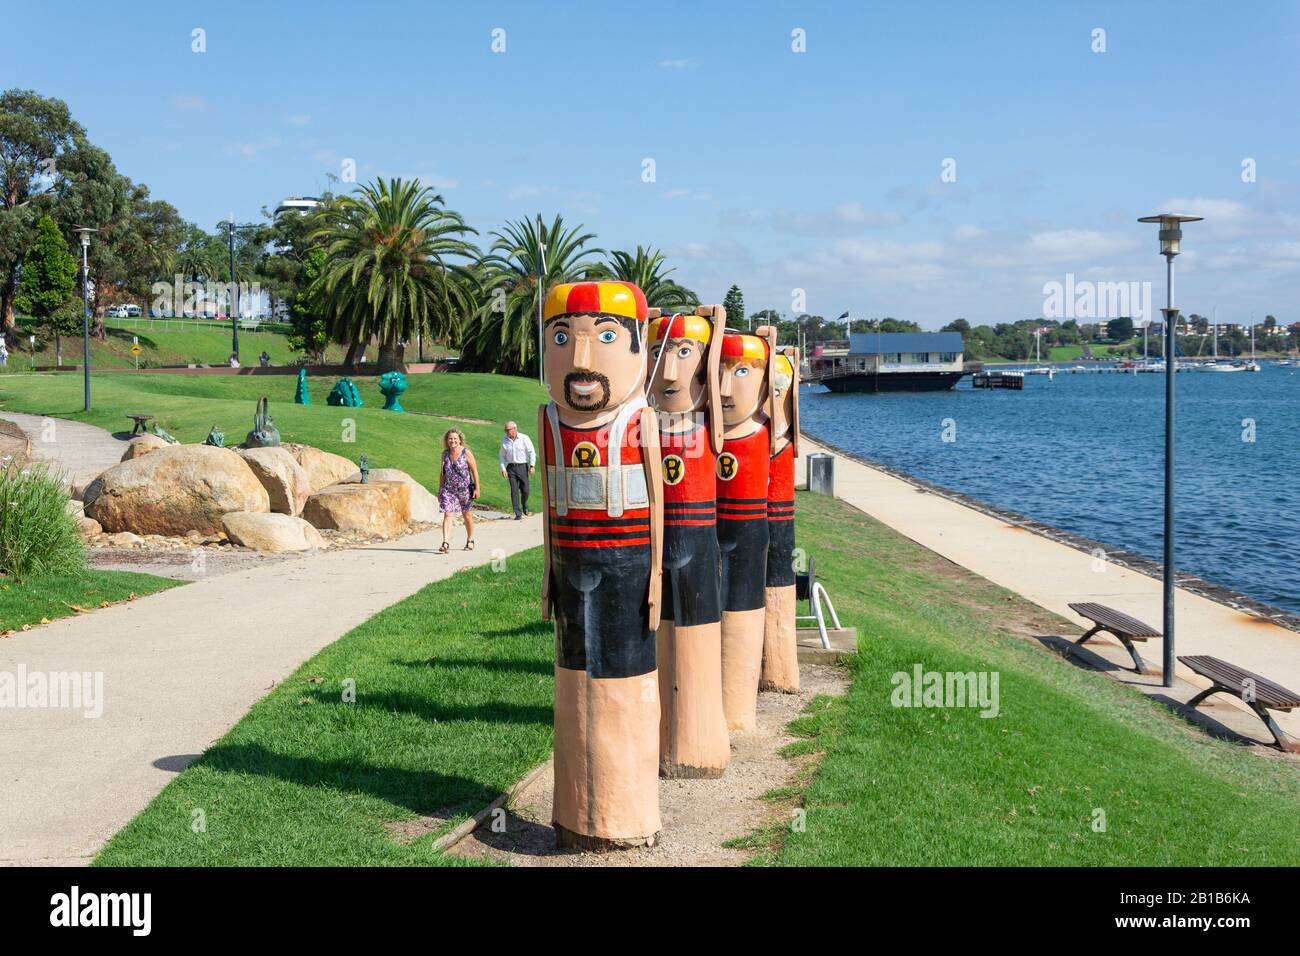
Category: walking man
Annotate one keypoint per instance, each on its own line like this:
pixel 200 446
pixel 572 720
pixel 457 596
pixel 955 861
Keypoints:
pixel 518 461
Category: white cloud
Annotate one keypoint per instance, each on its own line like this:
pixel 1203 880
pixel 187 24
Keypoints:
pixel 298 119
pixel 251 150
pixel 1076 244
pixel 677 64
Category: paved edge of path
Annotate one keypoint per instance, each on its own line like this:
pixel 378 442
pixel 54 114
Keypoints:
pixel 1052 574
pixel 77 449
pixel 180 668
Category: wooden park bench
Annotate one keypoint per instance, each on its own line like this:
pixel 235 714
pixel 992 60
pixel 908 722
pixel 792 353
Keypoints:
pixel 139 423
pixel 1258 693
pixel 1127 629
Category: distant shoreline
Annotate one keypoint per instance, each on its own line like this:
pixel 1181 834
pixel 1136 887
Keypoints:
pixel 1117 556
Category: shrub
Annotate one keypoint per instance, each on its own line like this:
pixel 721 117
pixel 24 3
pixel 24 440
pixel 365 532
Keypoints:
pixel 37 534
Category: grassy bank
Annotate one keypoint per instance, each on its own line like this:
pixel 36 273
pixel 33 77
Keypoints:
pixel 188 405
pixel 55 596
pixel 454 695
pixel 947 786
pixel 452 705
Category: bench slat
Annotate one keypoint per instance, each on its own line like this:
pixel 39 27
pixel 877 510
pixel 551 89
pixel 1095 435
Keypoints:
pixel 1112 619
pixel 1272 695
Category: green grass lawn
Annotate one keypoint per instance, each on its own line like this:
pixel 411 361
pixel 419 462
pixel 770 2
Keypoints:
pixel 50 596
pixel 454 695
pixel 162 344
pixel 948 787
pixel 453 702
pixel 188 405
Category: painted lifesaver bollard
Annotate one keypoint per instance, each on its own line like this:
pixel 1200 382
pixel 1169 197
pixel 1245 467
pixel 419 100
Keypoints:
pixel 684 355
pixel 780 645
pixel 603 537
pixel 742 470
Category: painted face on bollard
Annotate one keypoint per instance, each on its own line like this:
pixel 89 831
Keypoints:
pixel 743 377
pixel 594 355
pixel 783 389
pixel 678 360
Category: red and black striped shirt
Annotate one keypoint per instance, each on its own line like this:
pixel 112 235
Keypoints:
pixel 780 485
pixel 593 527
pixel 690 477
pixel 743 468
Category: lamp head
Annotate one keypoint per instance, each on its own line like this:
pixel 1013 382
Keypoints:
pixel 84 232
pixel 1171 232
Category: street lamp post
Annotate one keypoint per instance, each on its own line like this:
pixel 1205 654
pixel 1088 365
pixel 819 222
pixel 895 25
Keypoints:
pixel 84 232
pixel 231 301
pixel 1171 235
pixel 31 340
pixel 541 280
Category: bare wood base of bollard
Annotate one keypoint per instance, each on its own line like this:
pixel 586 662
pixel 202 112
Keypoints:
pixel 567 839
pixel 693 741
pixel 742 660
pixel 780 649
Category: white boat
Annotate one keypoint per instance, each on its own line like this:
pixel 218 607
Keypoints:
pixel 1221 367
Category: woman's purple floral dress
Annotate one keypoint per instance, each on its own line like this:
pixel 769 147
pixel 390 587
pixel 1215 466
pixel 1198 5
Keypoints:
pixel 453 492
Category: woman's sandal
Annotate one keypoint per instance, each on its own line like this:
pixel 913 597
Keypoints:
pixel 445 548
pixel 469 545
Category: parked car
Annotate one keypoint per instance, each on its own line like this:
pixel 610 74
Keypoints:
pixel 132 311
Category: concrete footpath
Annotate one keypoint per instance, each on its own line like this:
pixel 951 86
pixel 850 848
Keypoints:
pixel 77 449
pixel 179 669
pixel 1052 574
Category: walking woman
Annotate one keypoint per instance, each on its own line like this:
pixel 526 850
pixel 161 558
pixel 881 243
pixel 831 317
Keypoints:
pixel 458 486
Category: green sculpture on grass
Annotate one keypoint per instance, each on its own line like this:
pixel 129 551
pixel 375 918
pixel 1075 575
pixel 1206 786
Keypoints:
pixel 392 384
pixel 164 435
pixel 264 433
pixel 301 396
pixel 344 393
pixel 365 470
pixel 215 438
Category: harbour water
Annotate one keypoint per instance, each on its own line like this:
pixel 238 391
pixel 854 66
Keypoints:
pixel 1085 453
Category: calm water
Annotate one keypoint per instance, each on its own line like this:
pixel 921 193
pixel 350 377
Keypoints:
pixel 1085 453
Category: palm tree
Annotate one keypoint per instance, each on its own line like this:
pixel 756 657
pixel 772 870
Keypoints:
pixel 396 266
pixel 645 269
pixel 502 335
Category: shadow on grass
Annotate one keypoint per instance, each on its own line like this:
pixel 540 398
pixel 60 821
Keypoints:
pixel 513 665
pixel 420 791
pixel 418 705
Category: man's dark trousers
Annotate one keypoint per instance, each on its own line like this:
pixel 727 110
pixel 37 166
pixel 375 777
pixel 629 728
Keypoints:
pixel 517 473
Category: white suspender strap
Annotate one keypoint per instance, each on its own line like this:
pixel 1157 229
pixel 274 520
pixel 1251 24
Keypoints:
pixel 560 485
pixel 614 474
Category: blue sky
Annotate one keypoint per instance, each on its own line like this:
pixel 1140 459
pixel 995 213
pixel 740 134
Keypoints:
pixel 774 169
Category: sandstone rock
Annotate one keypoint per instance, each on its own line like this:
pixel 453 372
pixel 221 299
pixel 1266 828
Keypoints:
pixel 380 508
pixel 75 508
pixel 85 487
pixel 271 532
pixel 323 468
pixel 15 448
pixel 125 539
pixel 424 504
pixel 141 445
pixel 88 527
pixel 175 489
pixel 285 481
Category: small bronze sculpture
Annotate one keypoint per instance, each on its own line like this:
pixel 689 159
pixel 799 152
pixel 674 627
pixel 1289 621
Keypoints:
pixel 264 433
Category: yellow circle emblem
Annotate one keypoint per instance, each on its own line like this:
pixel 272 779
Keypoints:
pixel 728 466
pixel 674 469
pixel 585 455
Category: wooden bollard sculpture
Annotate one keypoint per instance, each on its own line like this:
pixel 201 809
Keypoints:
pixel 780 649
pixel 603 538
pixel 742 520
pixel 684 358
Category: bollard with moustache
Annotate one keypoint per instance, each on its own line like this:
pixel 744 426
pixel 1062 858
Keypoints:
pixel 603 536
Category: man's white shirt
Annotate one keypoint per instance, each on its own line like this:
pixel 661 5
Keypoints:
pixel 518 451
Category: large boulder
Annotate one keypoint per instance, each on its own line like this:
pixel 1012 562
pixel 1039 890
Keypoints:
pixel 141 445
pixel 15 447
pixel 271 532
pixel 323 468
pixel 82 484
pixel 285 480
pixel 380 508
pixel 424 504
pixel 175 490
